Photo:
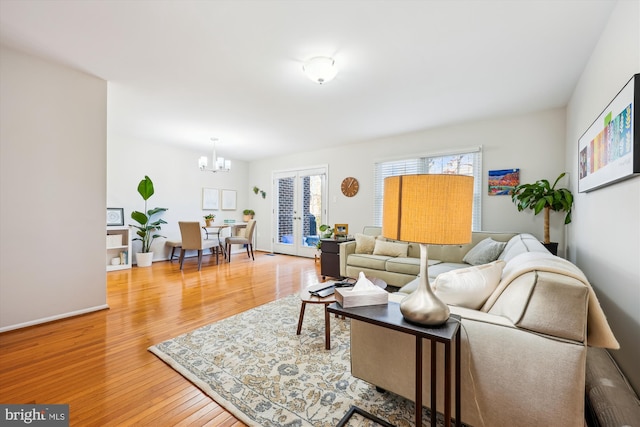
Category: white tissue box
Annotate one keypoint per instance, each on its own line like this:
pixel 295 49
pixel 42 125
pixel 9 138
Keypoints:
pixel 350 298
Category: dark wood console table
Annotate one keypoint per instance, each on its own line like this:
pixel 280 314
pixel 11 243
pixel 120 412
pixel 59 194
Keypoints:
pixel 389 316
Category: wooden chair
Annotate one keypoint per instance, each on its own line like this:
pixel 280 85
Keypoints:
pixel 191 233
pixel 247 239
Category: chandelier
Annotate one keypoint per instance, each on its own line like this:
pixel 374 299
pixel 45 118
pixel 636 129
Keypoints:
pixel 219 163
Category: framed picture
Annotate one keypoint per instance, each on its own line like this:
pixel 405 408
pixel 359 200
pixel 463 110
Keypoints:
pixel 609 151
pixel 503 181
pixel 341 230
pixel 210 199
pixel 228 200
pixel 115 216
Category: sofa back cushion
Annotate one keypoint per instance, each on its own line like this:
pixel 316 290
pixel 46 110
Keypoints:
pixel 520 244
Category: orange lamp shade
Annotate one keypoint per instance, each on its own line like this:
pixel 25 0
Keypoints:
pixel 433 209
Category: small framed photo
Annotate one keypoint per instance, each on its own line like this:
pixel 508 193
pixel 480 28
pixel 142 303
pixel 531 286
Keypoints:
pixel 210 199
pixel 228 200
pixel 115 216
pixel 341 230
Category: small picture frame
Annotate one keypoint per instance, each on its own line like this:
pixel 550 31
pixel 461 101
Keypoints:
pixel 115 216
pixel 228 200
pixel 341 230
pixel 210 199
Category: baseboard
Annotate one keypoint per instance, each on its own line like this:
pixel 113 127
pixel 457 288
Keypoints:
pixel 53 318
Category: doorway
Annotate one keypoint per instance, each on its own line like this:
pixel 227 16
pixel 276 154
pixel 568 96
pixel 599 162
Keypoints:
pixel 300 209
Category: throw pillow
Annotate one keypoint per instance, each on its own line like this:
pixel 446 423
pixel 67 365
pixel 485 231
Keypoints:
pixel 364 243
pixel 468 287
pixel 393 249
pixel 484 252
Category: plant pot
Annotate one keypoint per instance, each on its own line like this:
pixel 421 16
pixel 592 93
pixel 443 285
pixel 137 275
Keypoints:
pixel 209 222
pixel 246 218
pixel 551 247
pixel 144 259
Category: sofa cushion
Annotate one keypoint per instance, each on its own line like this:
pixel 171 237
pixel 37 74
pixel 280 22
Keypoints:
pixel 469 287
pixel 403 265
pixel 364 243
pixel 375 262
pixel 486 251
pixel 394 249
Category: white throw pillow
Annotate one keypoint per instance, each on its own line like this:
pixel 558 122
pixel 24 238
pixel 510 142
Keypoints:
pixel 393 249
pixel 364 243
pixel 484 252
pixel 468 287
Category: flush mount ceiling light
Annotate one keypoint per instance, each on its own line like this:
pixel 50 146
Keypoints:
pixel 320 69
pixel 219 163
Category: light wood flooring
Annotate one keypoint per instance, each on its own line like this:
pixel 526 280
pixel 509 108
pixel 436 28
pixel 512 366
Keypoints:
pixel 98 363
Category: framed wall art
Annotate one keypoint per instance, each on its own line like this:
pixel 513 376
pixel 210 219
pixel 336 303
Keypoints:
pixel 503 181
pixel 228 200
pixel 210 199
pixel 115 216
pixel 609 151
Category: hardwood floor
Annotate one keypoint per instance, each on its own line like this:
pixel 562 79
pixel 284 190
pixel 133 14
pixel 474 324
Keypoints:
pixel 98 363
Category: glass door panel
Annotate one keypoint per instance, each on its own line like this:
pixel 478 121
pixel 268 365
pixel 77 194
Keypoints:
pixel 299 211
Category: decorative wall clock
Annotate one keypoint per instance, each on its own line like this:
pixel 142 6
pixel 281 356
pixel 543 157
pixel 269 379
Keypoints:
pixel 350 186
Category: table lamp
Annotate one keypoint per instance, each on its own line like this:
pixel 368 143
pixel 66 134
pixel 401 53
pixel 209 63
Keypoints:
pixel 427 209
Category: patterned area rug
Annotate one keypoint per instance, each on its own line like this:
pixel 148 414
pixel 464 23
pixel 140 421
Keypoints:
pixel 255 366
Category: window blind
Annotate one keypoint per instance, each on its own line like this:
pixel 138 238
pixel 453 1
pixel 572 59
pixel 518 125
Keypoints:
pixel 467 162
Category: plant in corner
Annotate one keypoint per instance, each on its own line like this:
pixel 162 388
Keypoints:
pixel 147 225
pixel 541 196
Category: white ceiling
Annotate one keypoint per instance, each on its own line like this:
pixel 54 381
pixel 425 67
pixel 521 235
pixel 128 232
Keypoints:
pixel 182 72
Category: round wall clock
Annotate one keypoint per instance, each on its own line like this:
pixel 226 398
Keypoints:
pixel 350 186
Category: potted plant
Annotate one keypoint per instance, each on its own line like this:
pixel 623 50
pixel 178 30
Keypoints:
pixel 147 225
pixel 541 196
pixel 325 231
pixel 247 214
pixel 209 218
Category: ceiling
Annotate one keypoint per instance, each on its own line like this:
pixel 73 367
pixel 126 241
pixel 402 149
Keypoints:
pixel 181 72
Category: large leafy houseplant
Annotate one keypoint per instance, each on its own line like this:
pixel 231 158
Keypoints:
pixel 147 225
pixel 541 196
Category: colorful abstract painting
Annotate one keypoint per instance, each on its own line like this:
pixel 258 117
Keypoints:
pixel 503 181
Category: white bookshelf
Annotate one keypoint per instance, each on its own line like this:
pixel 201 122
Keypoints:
pixel 118 246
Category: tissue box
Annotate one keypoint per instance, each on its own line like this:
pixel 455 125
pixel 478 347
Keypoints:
pixel 349 298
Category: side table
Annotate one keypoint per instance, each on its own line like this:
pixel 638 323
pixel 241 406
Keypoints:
pixel 389 316
pixel 307 298
pixel 330 257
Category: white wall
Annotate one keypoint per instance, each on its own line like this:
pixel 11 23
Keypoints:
pixel 534 143
pixel 604 239
pixel 52 190
pixel 177 182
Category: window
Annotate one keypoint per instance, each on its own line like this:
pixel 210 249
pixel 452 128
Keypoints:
pixel 468 162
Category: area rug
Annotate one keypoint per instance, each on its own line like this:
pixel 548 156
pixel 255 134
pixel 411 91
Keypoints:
pixel 256 367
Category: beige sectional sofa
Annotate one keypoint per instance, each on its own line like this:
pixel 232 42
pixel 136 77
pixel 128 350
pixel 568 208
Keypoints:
pixel 523 351
pixel 400 270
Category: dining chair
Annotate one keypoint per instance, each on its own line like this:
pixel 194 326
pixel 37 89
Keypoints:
pixel 247 240
pixel 192 240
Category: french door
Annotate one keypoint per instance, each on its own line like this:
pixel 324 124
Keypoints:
pixel 299 210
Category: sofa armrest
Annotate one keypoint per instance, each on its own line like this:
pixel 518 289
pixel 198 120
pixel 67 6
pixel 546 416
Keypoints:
pixel 346 249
